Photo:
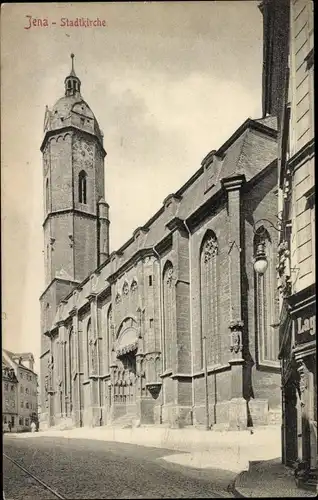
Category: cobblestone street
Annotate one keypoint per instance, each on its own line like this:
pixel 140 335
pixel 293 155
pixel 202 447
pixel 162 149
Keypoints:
pixel 95 469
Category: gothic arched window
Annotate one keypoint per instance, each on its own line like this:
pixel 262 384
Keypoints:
pixel 82 187
pixel 65 377
pixel 110 335
pixel 266 334
pixel 209 299
pixel 72 363
pixel 88 339
pixel 168 309
pixel 47 196
pixel 92 350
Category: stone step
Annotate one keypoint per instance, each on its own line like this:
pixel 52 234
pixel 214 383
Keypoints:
pixel 125 421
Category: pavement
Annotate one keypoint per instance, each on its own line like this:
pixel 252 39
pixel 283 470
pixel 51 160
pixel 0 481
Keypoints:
pixel 235 449
pixel 87 469
pixel 268 479
pixel 251 460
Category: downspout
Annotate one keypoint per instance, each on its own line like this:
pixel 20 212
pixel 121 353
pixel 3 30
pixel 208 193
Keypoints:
pixel 161 320
pixel 191 331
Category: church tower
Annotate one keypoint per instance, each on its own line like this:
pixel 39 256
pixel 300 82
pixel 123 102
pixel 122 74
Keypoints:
pixel 76 224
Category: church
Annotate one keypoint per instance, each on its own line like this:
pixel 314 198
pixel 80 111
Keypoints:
pixel 174 328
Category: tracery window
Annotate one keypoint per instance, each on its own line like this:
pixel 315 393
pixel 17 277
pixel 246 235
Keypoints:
pixel 209 299
pixel 71 353
pixel 88 338
pixel 82 187
pixel 92 350
pixel 266 333
pixel 169 313
pixel 110 334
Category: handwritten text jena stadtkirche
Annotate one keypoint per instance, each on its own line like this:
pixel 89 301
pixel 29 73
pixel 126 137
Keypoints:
pixel 64 22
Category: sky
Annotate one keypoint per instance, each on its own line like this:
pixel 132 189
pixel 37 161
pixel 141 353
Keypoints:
pixel 167 81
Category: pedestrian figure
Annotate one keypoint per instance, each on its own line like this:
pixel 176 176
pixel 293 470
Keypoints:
pixel 10 426
pixel 33 426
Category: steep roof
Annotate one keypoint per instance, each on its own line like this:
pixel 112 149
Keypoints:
pixel 11 357
pixel 249 150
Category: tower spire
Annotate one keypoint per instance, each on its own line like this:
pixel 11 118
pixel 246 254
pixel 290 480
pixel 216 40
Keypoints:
pixel 72 73
pixel 72 82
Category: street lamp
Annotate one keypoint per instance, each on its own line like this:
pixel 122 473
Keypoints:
pixel 260 258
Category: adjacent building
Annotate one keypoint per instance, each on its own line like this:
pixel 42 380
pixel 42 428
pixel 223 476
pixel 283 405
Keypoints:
pixel 174 327
pixel 9 396
pixel 19 390
pixel 289 33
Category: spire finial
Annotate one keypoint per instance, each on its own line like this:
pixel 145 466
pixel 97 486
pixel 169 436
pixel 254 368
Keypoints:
pixel 72 57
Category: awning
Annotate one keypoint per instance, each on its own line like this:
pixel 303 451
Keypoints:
pixel 127 342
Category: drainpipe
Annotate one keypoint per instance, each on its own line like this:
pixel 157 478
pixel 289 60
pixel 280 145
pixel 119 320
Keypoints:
pixel 191 332
pixel 161 318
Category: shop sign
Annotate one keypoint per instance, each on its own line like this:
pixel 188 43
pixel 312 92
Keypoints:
pixel 305 328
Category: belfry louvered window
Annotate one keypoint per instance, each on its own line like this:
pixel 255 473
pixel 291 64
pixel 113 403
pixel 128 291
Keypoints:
pixel 82 187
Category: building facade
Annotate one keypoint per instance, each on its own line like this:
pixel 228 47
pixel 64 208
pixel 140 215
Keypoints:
pixel 175 327
pixel 9 396
pixel 296 250
pixel 19 390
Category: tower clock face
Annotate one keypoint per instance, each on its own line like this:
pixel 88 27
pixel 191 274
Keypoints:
pixel 83 153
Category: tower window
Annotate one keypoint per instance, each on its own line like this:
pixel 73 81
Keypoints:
pixel 47 195
pixel 150 280
pixel 82 187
